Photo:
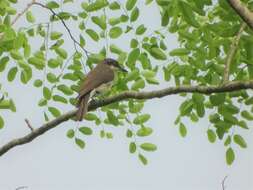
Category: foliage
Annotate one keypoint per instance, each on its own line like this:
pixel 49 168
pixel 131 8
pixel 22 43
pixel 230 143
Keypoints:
pixel 205 30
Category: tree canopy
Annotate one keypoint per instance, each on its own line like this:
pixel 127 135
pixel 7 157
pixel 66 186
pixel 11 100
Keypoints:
pixel 211 69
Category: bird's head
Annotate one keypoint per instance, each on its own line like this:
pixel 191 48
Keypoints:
pixel 114 64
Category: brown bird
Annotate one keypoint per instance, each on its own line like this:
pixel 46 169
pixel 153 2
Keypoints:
pixel 97 80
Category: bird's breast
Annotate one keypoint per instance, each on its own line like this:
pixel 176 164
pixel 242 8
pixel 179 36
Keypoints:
pixel 103 87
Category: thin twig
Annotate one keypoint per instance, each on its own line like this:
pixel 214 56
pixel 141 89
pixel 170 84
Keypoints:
pixel 223 183
pixel 232 51
pixel 29 125
pixel 54 14
pixel 228 87
pixel 21 187
pixel 23 12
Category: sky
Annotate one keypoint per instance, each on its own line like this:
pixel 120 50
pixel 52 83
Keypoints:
pixel 54 162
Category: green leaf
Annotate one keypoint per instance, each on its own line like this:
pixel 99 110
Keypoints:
pixel 188 14
pixel 135 107
pixel 29 17
pixel 37 62
pixel 85 130
pixel 25 76
pixel 130 4
pixel 247 115
pixel 92 34
pixel 98 4
pixel 109 135
pixel 143 159
pixel 165 17
pixel 115 32
pixel 55 35
pixel 182 130
pixel 148 147
pixel 80 143
pixel 100 21
pixel 65 89
pixel 61 99
pixel 3 63
pixel 227 141
pixel 230 156
pixel 53 63
pixel 12 74
pixel 135 14
pixel 134 43
pixel 139 84
pixel 70 133
pixel 27 50
pixel 37 83
pixel 147 2
pixel 238 139
pixel 1 122
pixel 114 5
pixel 163 2
pixel 102 133
pixel 42 102
pixel 114 21
pixel 16 55
pixel 61 52
pixel 144 131
pixel 51 78
pixel 112 118
pixel 186 107
pixel 217 99
pixel 132 147
pixel 54 111
pixel 211 135
pixel 52 5
pixel 140 119
pixel 141 29
pixel 47 93
pixel 179 52
pixel 133 56
pixel 129 133
pixel 91 117
pixel 115 49
pixel 124 18
pixel 157 53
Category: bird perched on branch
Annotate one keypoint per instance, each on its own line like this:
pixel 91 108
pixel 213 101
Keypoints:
pixel 97 80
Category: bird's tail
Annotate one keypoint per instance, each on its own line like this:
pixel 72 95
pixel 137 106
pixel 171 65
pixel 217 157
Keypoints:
pixel 82 107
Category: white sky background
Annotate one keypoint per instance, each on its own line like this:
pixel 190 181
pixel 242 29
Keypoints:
pixel 53 162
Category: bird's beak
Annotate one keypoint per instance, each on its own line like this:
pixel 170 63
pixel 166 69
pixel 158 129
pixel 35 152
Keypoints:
pixel 122 69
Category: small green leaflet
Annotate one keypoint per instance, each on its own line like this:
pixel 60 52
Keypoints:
pixel 132 147
pixel 230 156
pixel 70 133
pixel 80 143
pixel 148 147
pixel 238 139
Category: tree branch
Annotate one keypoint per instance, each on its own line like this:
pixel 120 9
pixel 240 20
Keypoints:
pixel 232 51
pixel 242 11
pixel 228 87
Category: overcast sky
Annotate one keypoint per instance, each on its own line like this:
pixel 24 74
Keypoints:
pixel 53 162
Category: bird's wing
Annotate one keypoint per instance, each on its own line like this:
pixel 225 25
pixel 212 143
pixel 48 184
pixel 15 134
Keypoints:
pixel 99 75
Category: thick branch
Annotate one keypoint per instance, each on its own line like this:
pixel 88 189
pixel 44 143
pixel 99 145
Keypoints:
pixel 242 11
pixel 232 51
pixel 228 87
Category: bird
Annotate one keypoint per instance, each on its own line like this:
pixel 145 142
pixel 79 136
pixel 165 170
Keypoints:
pixel 97 80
